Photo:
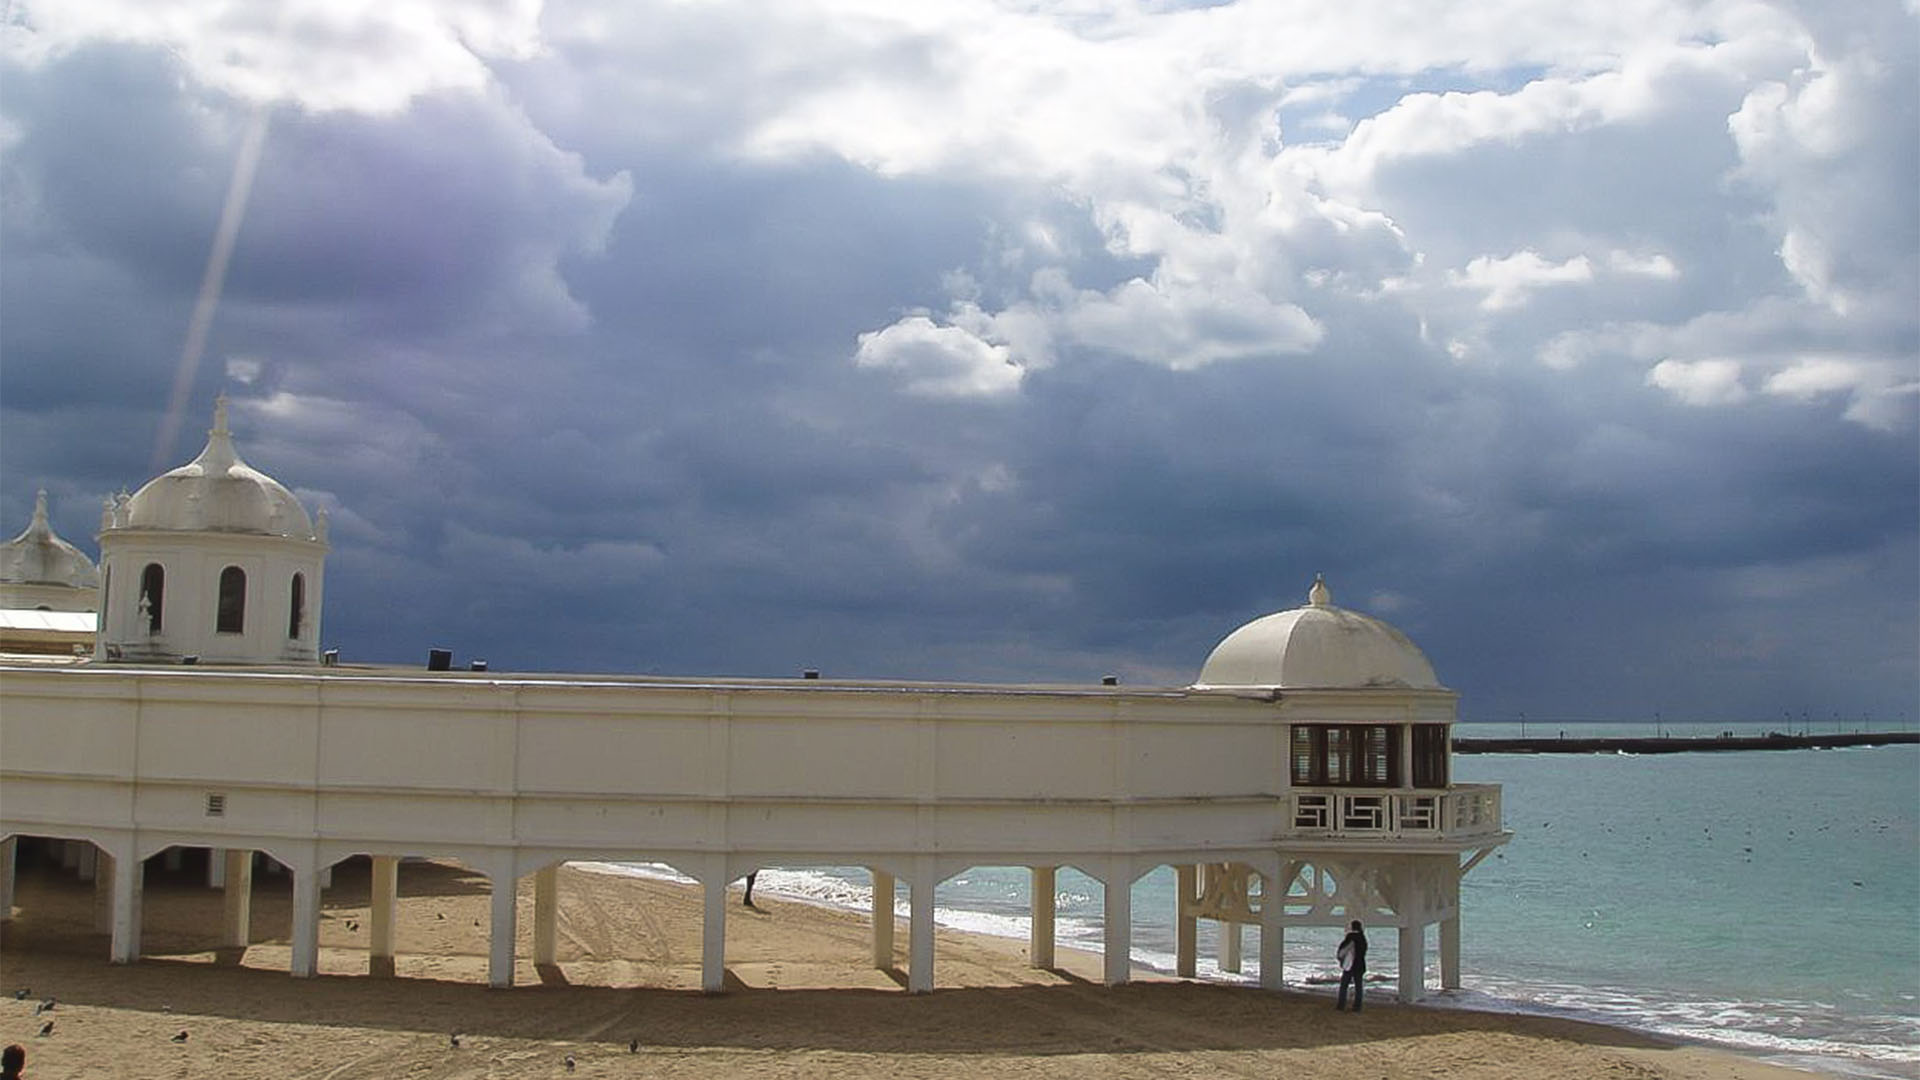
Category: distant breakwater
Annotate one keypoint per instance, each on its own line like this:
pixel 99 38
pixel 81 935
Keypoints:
pixel 1772 740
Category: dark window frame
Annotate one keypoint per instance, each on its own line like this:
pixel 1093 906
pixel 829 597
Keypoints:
pixel 231 610
pixel 296 606
pixel 153 586
pixel 1346 755
pixel 1432 750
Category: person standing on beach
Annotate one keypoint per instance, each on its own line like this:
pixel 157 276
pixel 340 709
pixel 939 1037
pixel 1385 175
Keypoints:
pixel 747 900
pixel 1353 965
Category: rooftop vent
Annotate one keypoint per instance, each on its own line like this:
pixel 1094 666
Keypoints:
pixel 810 673
pixel 477 665
pixel 439 659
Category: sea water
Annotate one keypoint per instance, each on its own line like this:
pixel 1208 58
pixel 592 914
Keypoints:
pixel 1763 901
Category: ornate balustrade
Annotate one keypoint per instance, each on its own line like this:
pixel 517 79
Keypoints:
pixel 1460 811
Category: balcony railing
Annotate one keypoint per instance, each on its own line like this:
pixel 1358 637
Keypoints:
pixel 1464 810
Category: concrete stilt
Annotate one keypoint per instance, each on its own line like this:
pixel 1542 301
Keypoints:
pixel 326 878
pixel 1450 953
pixel 172 859
pixel 920 928
pixel 1041 935
pixel 305 962
pixel 70 853
pixel 546 908
pixel 383 902
pixel 1186 949
pixel 8 847
pixel 502 925
pixel 102 892
pixel 882 921
pixel 216 868
pixel 126 874
pixel 1413 962
pixel 86 863
pixel 236 923
pixel 1273 936
pixel 1230 947
pixel 1117 957
pixel 713 929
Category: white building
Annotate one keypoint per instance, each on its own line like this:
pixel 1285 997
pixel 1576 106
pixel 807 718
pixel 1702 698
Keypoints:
pixel 1303 780
pixel 48 591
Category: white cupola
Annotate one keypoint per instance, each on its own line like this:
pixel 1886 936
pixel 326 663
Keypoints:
pixel 1317 647
pixel 213 560
pixel 41 571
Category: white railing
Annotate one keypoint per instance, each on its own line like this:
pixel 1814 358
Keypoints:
pixel 1459 811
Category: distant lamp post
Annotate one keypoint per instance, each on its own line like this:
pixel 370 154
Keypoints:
pixel 1523 725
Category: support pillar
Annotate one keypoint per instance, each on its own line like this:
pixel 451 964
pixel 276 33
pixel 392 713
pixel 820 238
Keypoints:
pixel 502 924
pixel 383 903
pixel 920 927
pixel 305 962
pixel 86 863
pixel 1230 947
pixel 326 878
pixel 713 928
pixel 1450 953
pixel 1413 962
pixel 103 896
pixel 70 853
pixel 236 923
pixel 1117 953
pixel 882 920
pixel 7 849
pixel 1186 949
pixel 172 859
pixel 1040 944
pixel 125 873
pixel 546 908
pixel 1273 936
pixel 216 868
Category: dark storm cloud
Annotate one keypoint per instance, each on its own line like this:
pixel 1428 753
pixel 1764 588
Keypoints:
pixel 570 359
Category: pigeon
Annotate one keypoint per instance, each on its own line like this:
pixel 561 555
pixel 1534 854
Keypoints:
pixel 46 1028
pixel 453 1041
pixel 352 926
pixel 633 1047
pixel 569 1062
pixel 182 1037
pixel 23 993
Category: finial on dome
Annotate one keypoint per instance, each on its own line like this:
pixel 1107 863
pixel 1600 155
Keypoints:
pixel 40 509
pixel 1319 596
pixel 220 415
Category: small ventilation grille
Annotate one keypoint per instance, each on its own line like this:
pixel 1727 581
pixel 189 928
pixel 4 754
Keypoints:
pixel 216 804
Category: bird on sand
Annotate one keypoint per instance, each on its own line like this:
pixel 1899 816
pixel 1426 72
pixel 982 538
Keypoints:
pixel 633 1047
pixel 46 1028
pixel 23 993
pixel 453 1041
pixel 569 1062
pixel 182 1037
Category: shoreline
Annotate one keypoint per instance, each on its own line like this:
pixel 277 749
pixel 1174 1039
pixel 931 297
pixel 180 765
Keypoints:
pixel 803 1000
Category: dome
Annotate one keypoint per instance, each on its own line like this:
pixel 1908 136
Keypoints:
pixel 39 557
pixel 217 492
pixel 1317 647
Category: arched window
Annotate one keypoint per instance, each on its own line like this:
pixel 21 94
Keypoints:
pixel 153 594
pixel 233 601
pixel 296 605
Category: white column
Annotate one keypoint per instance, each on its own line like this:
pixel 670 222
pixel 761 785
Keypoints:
pixel 7 849
pixel 216 868
pixel 1117 958
pixel 1450 953
pixel 1413 962
pixel 86 863
pixel 502 924
pixel 1040 943
pixel 546 906
pixel 920 927
pixel 1230 947
pixel 172 859
pixel 1273 936
pixel 305 962
pixel 383 902
pixel 326 878
pixel 70 853
pixel 236 869
pixel 1186 949
pixel 713 928
pixel 126 873
pixel 882 921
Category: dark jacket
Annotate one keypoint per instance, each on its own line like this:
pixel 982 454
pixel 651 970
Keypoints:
pixel 1359 942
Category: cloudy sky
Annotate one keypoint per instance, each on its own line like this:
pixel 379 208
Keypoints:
pixel 1016 341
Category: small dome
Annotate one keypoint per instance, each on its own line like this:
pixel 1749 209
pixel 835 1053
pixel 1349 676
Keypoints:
pixel 39 557
pixel 217 492
pixel 1317 647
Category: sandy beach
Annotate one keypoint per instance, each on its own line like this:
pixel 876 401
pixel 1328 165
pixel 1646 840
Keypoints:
pixel 802 1001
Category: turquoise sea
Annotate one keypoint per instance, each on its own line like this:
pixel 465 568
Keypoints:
pixel 1767 902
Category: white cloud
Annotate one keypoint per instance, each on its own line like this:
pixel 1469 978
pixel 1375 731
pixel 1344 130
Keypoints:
pixel 1700 382
pixel 1509 281
pixel 319 54
pixel 939 361
pixel 1880 394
